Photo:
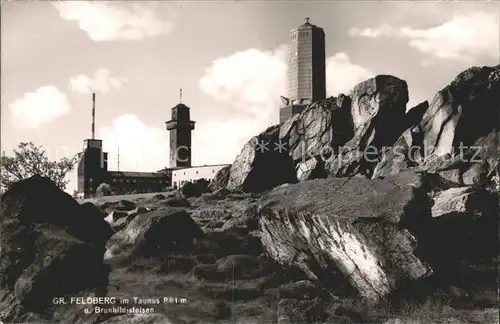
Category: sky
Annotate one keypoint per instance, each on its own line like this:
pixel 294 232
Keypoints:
pixel 229 58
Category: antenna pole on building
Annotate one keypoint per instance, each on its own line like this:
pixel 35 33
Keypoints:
pixel 180 95
pixel 118 157
pixel 93 115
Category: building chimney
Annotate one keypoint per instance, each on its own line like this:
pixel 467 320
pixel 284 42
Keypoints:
pixel 93 115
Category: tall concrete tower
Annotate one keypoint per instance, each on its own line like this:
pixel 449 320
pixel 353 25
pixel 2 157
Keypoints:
pixel 306 65
pixel 180 127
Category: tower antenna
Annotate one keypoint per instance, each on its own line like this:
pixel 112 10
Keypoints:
pixel 180 95
pixel 93 115
pixel 118 158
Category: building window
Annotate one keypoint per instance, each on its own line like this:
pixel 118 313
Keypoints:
pixel 196 172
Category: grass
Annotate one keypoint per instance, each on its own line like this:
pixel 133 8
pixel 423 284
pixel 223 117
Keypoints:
pixel 433 309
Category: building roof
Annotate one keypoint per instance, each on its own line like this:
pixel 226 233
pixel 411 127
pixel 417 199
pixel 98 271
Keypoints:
pixel 307 25
pixel 181 105
pixel 201 166
pixel 131 174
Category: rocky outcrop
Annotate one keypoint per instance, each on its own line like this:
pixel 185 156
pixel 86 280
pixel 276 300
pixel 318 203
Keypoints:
pixel 48 239
pixel 376 104
pixel 460 130
pixel 356 226
pixel 383 95
pixel 261 165
pixel 156 233
pixel 463 200
pixel 404 153
pixel 220 180
pixel 321 127
pixel 371 133
pixel 311 169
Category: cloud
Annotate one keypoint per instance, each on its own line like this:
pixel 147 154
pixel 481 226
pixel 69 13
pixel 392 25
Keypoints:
pixel 250 76
pixel 142 148
pixel 101 82
pixel 463 38
pixel 252 81
pixel 43 106
pixel 106 21
pixel 342 75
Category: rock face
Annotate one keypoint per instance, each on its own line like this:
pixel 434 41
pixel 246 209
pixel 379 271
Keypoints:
pixel 376 104
pixel 356 226
pixel 402 154
pixel 454 145
pixel 260 165
pixel 382 95
pixel 220 180
pixel 464 229
pixel 458 201
pixel 47 241
pixel 311 169
pixel 319 128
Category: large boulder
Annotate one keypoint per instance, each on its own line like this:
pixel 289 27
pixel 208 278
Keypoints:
pixel 120 205
pixel 376 103
pixel 195 188
pixel 460 130
pixel 463 231
pixel 262 164
pixel 157 233
pixel 382 95
pixel 318 130
pixel 311 169
pixel 220 180
pixel 404 153
pixel 51 246
pixel 356 226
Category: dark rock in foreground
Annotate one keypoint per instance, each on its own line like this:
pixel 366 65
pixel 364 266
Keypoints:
pixel 156 233
pixel 51 247
pixel 195 189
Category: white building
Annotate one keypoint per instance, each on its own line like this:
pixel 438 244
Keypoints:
pixel 208 172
